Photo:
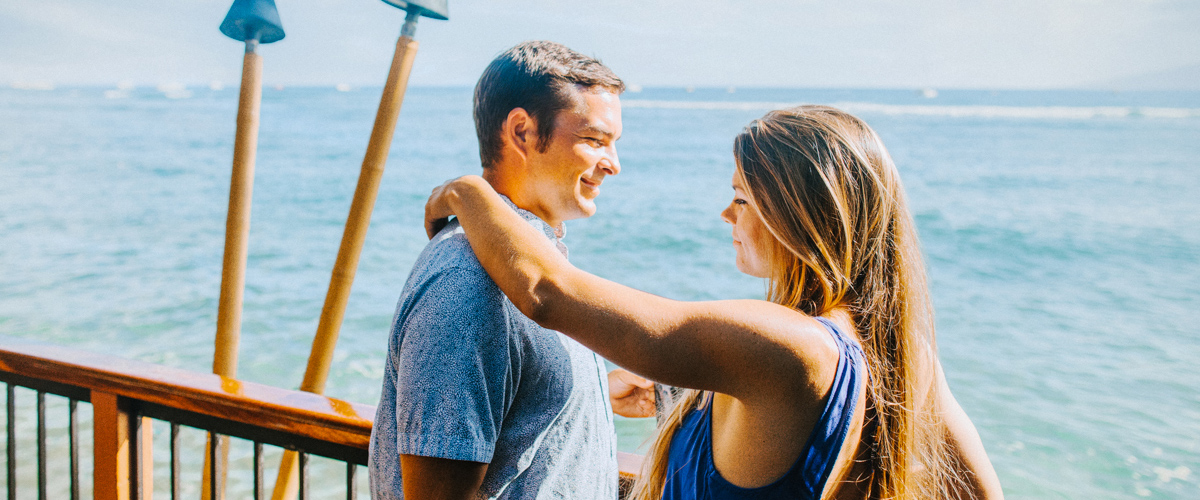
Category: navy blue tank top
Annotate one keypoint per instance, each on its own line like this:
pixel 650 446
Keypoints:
pixel 692 476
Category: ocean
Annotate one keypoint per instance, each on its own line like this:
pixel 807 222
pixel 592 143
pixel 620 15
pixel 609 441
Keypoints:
pixel 1061 231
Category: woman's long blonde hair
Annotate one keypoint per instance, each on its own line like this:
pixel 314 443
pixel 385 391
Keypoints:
pixel 830 195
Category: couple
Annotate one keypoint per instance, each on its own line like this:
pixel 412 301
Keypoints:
pixel 831 388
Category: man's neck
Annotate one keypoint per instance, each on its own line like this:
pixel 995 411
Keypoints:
pixel 510 183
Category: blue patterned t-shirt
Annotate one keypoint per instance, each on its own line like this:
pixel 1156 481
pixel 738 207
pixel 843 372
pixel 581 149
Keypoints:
pixel 468 377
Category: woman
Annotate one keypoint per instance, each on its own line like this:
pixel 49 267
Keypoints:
pixel 831 388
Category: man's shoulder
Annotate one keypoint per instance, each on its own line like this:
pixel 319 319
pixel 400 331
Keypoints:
pixel 448 286
pixel 448 257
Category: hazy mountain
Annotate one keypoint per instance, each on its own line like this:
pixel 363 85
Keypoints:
pixel 1181 78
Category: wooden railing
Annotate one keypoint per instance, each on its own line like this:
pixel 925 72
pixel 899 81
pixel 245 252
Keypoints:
pixel 125 395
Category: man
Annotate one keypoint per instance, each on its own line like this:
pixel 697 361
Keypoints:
pixel 479 401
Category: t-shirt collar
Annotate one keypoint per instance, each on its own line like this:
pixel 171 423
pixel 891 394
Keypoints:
pixel 553 233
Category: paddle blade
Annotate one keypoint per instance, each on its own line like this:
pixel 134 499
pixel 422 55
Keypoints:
pixel 429 8
pixel 253 19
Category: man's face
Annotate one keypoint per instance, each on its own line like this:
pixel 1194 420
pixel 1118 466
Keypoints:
pixel 563 181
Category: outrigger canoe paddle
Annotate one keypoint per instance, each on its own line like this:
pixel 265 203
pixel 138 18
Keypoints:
pixel 355 233
pixel 252 22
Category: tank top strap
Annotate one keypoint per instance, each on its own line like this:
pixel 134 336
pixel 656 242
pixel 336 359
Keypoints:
pixel 829 434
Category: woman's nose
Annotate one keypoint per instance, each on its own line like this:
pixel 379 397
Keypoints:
pixel 727 214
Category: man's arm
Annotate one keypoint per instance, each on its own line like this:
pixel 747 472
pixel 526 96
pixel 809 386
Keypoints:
pixel 432 478
pixel 451 390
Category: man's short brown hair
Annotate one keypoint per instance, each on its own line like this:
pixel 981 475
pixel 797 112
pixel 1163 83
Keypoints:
pixel 535 76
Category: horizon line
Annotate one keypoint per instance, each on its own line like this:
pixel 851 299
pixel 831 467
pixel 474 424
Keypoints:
pixel 218 85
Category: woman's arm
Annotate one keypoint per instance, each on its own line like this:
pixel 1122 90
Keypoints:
pixel 744 348
pixel 968 455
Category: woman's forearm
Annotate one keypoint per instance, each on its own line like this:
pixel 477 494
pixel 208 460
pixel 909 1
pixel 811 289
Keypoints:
pixel 538 279
pixel 546 288
pixel 516 255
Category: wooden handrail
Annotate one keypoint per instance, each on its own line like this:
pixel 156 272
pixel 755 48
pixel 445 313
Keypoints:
pixel 336 421
pixel 293 412
pixel 629 465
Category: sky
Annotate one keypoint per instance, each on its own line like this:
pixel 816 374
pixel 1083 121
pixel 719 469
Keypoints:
pixel 984 44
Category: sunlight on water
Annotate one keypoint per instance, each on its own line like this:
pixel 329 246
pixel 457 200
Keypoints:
pixel 1061 232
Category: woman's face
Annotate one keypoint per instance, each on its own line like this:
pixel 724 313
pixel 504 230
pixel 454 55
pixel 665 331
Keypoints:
pixel 750 235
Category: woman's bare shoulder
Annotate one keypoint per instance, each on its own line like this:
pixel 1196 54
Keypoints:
pixel 795 351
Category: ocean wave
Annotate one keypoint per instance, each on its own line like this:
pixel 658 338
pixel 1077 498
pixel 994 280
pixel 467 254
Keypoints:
pixel 722 105
pixel 970 111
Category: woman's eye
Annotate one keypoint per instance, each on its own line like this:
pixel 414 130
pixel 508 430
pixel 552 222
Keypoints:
pixel 739 201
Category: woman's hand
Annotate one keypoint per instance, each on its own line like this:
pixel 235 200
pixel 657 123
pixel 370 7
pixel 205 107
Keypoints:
pixel 440 205
pixel 632 396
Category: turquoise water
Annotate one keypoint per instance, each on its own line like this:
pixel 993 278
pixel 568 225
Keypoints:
pixel 1061 230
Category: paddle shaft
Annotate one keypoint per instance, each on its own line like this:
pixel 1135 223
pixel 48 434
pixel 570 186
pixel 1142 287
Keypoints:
pixel 237 221
pixel 237 235
pixel 353 237
pixel 360 217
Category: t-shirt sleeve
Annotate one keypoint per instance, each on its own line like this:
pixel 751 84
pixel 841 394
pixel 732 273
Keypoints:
pixel 452 368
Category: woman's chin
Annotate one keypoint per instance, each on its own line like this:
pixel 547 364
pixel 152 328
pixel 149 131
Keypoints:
pixel 749 270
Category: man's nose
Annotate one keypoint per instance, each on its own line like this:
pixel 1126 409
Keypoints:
pixel 610 164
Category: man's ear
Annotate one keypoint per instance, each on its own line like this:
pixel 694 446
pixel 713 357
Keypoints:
pixel 520 132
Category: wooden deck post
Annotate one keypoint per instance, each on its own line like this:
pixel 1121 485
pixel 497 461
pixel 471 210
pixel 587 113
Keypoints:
pixel 121 448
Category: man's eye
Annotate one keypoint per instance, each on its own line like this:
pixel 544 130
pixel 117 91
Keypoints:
pixel 594 141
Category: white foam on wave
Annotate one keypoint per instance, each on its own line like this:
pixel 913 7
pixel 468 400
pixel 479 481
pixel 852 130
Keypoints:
pixel 976 111
pixel 725 105
pixel 174 90
pixel 1165 475
pixel 1049 112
